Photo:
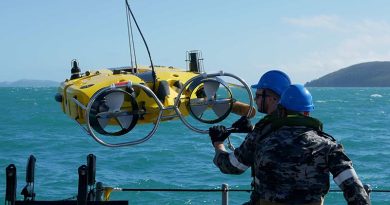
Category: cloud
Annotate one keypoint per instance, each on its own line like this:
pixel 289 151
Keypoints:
pixel 360 41
pixel 322 21
pixel 372 26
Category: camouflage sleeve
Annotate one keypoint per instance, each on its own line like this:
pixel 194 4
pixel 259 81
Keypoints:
pixel 354 192
pixel 239 160
pixel 345 177
pixel 245 152
pixel 223 161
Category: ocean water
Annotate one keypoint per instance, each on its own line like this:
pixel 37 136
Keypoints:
pixel 31 122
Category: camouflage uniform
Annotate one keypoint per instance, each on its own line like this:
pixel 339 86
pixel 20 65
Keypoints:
pixel 291 164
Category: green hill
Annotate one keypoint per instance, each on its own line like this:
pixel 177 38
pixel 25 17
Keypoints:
pixel 370 74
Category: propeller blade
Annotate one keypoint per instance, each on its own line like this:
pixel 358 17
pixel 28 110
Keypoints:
pixel 103 122
pixel 125 121
pixel 198 106
pixel 221 107
pixel 114 100
pixel 210 88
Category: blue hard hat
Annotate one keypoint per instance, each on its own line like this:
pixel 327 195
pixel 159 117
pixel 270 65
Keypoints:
pixel 274 80
pixel 297 98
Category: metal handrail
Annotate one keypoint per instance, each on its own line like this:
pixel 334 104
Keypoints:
pixel 216 190
pixel 224 190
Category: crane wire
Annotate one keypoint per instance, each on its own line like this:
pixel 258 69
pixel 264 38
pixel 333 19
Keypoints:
pixel 146 45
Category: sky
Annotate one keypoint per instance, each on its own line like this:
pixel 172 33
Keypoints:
pixel 307 39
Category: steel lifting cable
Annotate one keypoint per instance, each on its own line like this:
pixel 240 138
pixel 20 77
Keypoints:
pixel 131 41
pixel 146 45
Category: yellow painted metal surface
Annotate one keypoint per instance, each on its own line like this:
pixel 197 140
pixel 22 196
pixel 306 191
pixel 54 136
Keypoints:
pixel 85 87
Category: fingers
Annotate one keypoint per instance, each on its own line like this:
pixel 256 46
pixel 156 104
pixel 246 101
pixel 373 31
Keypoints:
pixel 217 128
pixel 218 133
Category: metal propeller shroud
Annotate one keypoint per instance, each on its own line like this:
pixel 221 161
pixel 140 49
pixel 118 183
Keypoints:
pixel 114 111
pixel 109 106
pixel 209 97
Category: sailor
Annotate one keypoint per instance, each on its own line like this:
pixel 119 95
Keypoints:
pixel 291 156
pixel 270 87
pixel 268 91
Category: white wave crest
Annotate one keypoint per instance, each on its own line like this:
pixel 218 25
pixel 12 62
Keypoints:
pixel 376 96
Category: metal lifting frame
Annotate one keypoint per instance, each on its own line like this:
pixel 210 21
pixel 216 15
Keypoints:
pixel 149 92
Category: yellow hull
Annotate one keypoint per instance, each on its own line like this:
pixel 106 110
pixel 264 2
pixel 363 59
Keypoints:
pixel 169 80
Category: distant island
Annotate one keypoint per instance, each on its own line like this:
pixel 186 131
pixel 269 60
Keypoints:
pixel 30 83
pixel 370 74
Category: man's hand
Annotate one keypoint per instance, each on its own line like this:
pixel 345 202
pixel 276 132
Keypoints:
pixel 218 133
pixel 243 125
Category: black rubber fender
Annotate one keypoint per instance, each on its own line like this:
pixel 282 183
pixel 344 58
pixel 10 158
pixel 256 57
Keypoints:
pixel 163 90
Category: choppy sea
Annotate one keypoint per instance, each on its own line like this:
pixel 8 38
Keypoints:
pixel 32 123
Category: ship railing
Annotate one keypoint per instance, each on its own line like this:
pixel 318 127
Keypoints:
pixel 90 192
pixel 225 190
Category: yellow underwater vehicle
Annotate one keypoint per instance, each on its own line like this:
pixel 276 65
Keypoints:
pixel 112 101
